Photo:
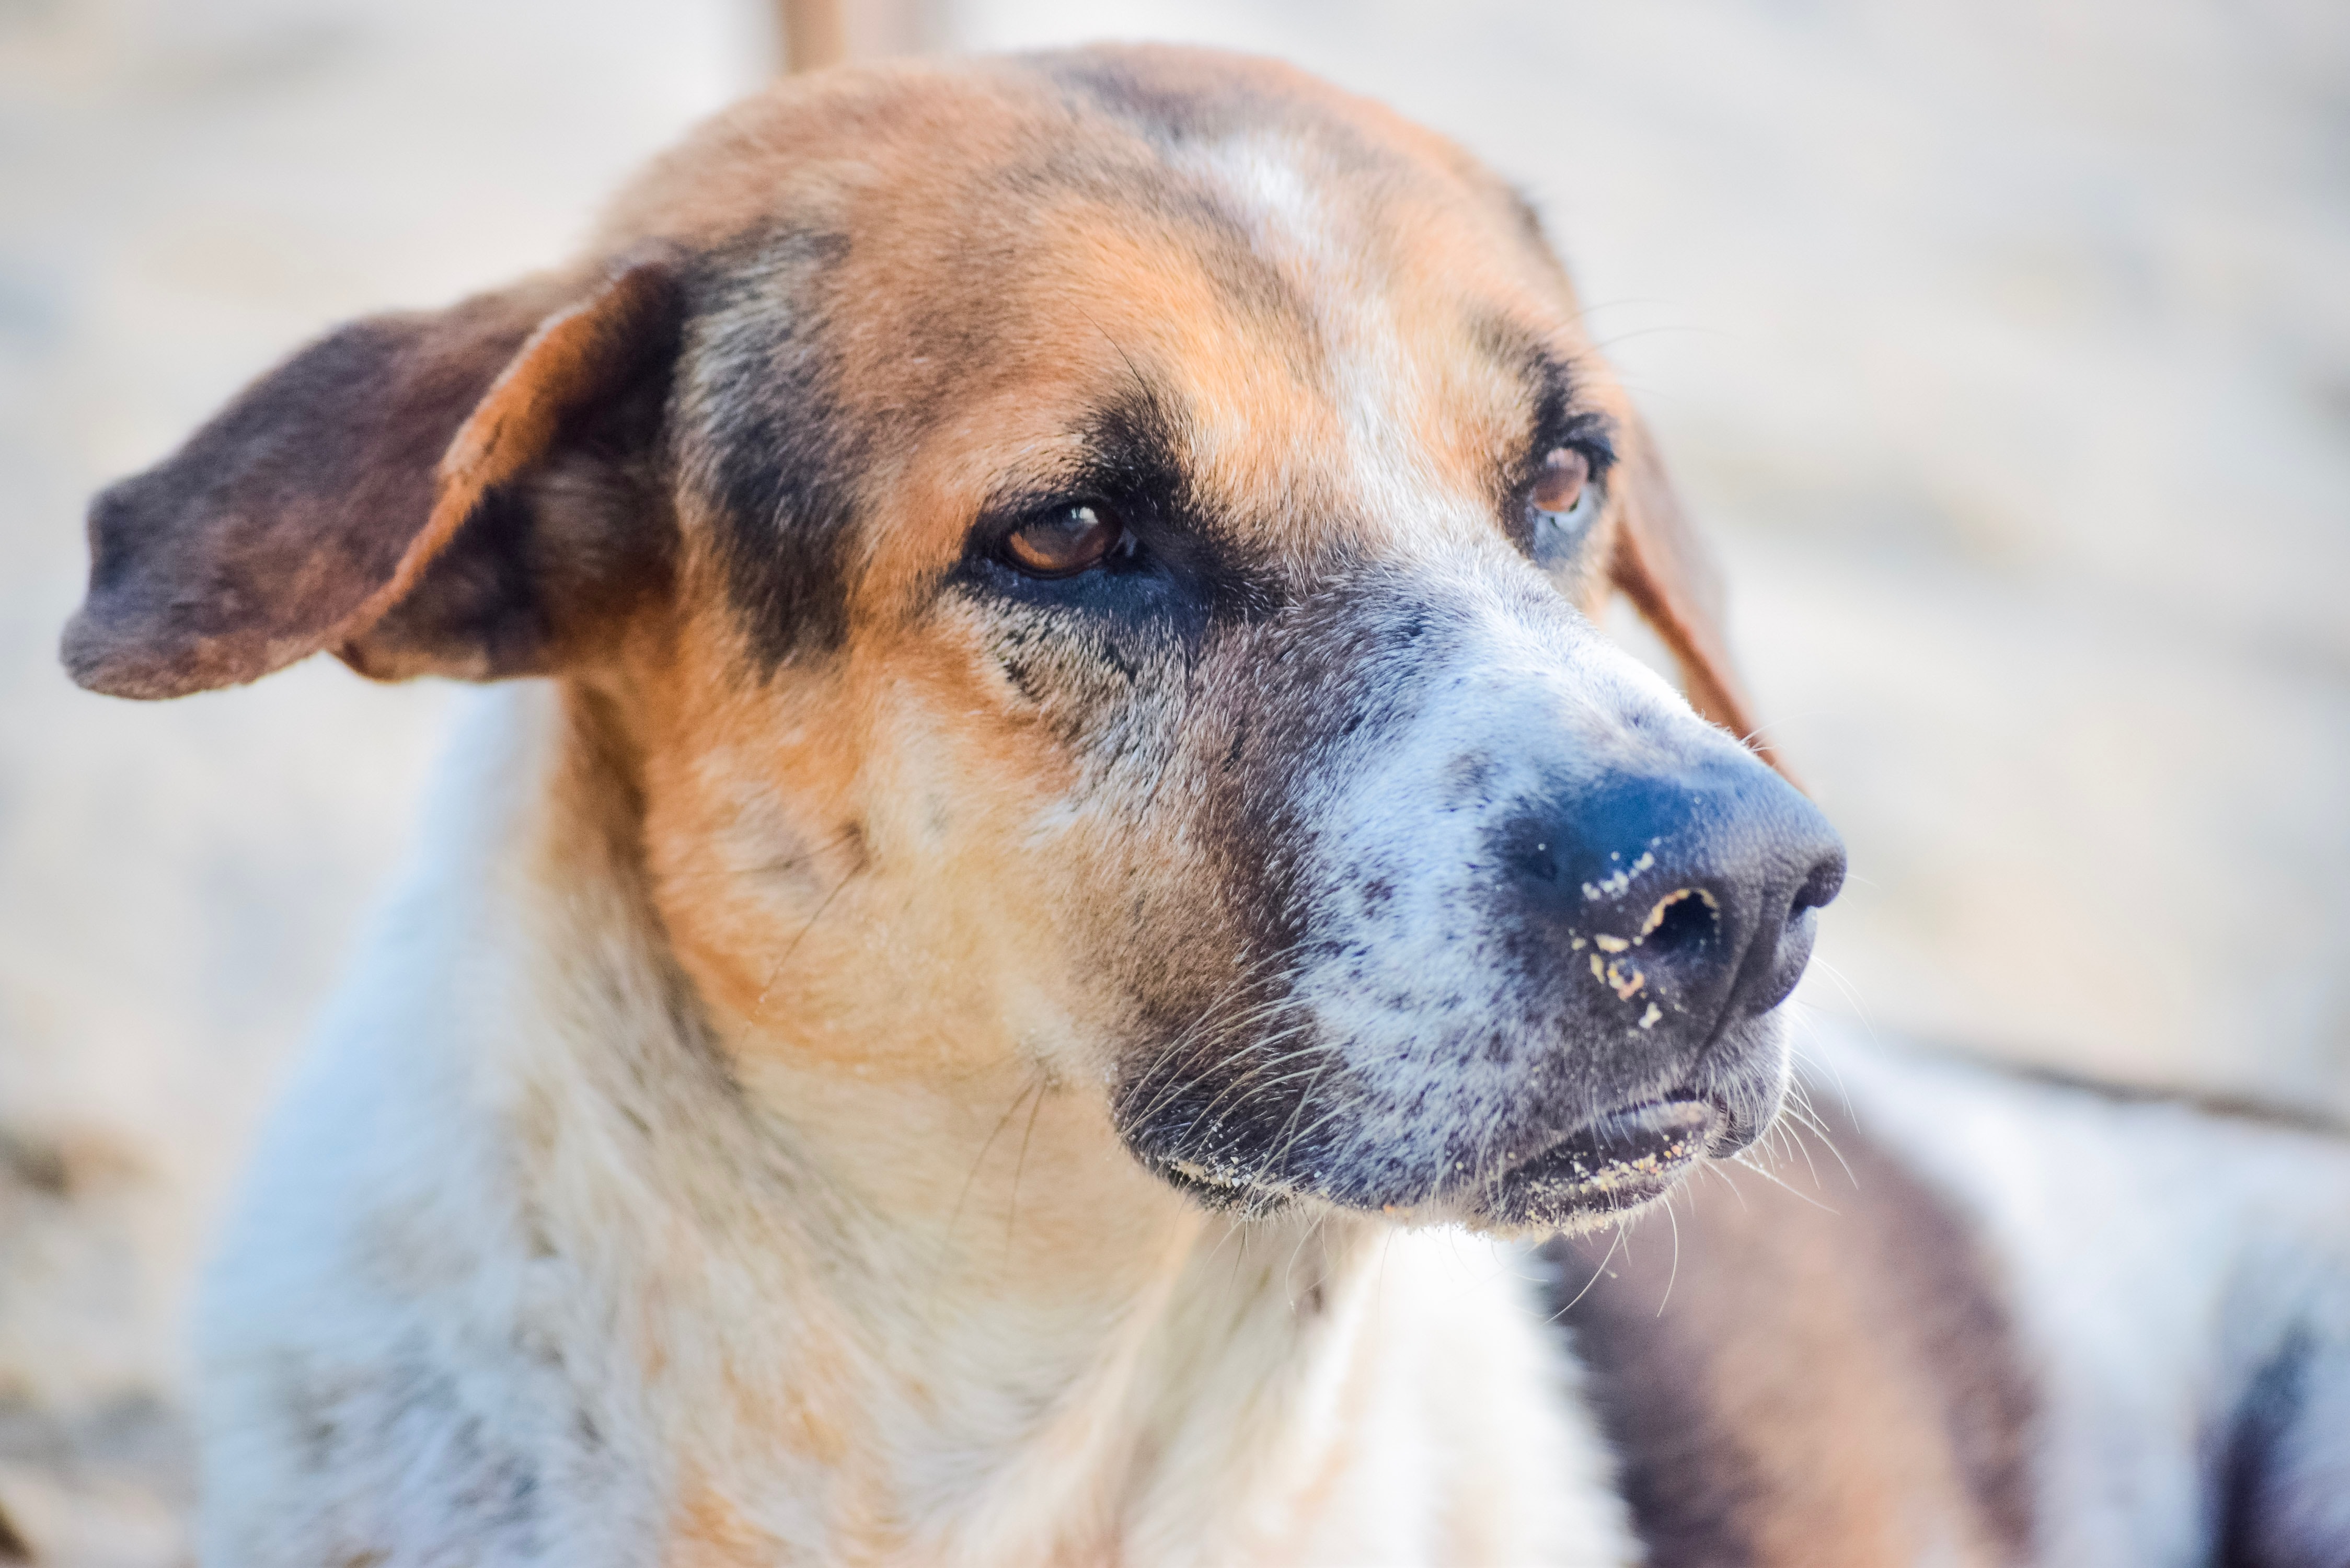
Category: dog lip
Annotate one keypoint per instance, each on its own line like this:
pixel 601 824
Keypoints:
pixel 1619 1161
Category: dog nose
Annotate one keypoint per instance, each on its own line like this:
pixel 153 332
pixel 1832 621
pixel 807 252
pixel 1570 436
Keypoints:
pixel 1681 901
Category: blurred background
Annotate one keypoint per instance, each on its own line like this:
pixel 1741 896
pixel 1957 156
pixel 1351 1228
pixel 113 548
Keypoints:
pixel 2004 346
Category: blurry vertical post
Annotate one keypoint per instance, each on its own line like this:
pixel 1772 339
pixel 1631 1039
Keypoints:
pixel 820 33
pixel 815 33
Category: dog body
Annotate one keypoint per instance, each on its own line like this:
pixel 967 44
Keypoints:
pixel 1992 1346
pixel 1989 1318
pixel 1080 889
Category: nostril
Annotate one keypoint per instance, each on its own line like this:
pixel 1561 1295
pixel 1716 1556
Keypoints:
pixel 1682 921
pixel 1820 889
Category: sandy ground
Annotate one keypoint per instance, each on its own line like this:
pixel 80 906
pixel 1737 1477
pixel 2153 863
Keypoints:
pixel 2005 347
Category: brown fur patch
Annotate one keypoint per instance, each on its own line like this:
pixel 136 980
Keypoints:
pixel 1818 1374
pixel 712 1532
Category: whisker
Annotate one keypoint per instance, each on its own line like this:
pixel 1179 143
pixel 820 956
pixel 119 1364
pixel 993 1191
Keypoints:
pixel 765 867
pixel 1288 1269
pixel 1791 1117
pixel 1818 1125
pixel 1804 1017
pixel 1593 1279
pixel 1676 1272
pixel 1012 1205
pixel 1743 1161
pixel 759 1009
pixel 1035 1085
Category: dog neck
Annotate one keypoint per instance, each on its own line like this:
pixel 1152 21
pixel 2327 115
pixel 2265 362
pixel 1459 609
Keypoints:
pixel 1054 1359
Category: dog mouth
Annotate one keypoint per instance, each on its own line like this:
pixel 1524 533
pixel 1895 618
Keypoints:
pixel 1615 1163
pixel 1555 1167
pixel 1611 1165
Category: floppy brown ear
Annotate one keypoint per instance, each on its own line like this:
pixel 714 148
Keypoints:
pixel 1656 561
pixel 436 492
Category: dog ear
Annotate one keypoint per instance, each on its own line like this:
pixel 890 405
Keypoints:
pixel 1656 561
pixel 432 492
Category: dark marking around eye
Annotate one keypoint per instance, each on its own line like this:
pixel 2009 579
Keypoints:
pixel 1176 567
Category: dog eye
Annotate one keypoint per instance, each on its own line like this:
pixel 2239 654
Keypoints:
pixel 1565 475
pixel 1564 504
pixel 1066 540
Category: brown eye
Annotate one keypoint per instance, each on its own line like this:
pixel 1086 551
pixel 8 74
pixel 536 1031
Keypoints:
pixel 1065 540
pixel 1565 474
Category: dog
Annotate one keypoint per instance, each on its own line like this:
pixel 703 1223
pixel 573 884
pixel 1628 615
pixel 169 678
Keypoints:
pixel 1078 952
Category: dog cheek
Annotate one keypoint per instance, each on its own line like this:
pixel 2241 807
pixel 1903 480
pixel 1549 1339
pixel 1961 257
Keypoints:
pixel 1345 998
pixel 1141 935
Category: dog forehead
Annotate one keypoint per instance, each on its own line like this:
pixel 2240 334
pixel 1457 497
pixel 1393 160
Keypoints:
pixel 946 138
pixel 1298 362
pixel 1306 213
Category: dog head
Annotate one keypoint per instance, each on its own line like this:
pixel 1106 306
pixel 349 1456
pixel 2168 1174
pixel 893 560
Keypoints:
pixel 1092 557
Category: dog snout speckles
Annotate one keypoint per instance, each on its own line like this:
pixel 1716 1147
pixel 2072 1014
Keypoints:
pixel 1682 920
pixel 1691 924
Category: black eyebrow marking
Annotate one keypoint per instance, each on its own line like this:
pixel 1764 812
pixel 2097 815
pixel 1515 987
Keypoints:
pixel 1134 449
pixel 1128 452
pixel 1140 437
pixel 1561 419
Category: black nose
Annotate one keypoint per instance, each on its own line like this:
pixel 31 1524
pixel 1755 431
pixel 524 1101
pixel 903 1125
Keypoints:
pixel 1679 902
